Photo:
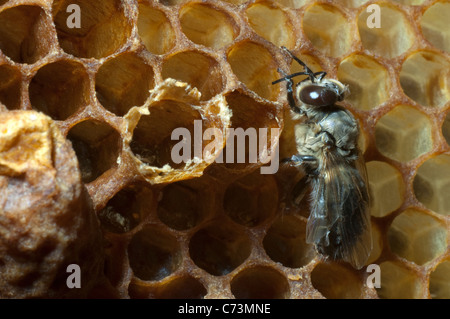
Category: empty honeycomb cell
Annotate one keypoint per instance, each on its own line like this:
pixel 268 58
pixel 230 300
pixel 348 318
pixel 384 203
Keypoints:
pixel 403 134
pixel 97 147
pixel 91 29
pixel 185 204
pixel 398 282
pixel 59 89
pixel 243 108
pixel 285 242
pixel 185 287
pixel 434 25
pixel 155 29
pixel 411 2
pixel 367 81
pixel 10 85
pixel 207 25
pixel 255 67
pixel 294 4
pixel 172 2
pixel 425 78
pixel 126 209
pixel 432 184
pixel 327 29
pixel 377 244
pixel 440 281
pixel 417 237
pixel 176 287
pixel 153 254
pixel 386 188
pixel 219 248
pixel 252 199
pixel 124 82
pixel 446 128
pixel 21 36
pixel 334 281
pixel 354 3
pixel 272 23
pixel 152 143
pixel 260 282
pixel 393 37
pixel 196 69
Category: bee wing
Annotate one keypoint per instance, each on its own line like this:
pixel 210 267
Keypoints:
pixel 339 223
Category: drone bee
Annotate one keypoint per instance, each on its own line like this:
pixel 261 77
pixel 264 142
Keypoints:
pixel 326 144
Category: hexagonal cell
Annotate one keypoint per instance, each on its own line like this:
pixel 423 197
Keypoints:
pixel 260 283
pixel 440 281
pixel 255 67
pixel 172 2
pixel 252 199
pixel 411 2
pixel 327 29
pixel 155 29
pixel 432 184
pixel 219 248
pixel 59 89
pixel 434 25
pixel 91 29
pixel 417 237
pixel 354 3
pixel 184 205
pixel 403 134
pixel 285 242
pixel 293 4
pixel 271 23
pixel 10 86
pixel 25 35
pixel 425 78
pixel 397 282
pixel 236 155
pixel 126 209
pixel 124 82
pixel 207 25
pixel 386 188
pixel 185 287
pixel 196 69
pixel 97 147
pixel 152 143
pixel 368 81
pixel 334 281
pixel 394 36
pixel 175 287
pixel 446 128
pixel 377 241
pixel 153 254
pixel 236 2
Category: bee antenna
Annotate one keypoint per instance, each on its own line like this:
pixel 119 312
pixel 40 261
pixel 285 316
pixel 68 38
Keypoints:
pixel 288 77
pixel 308 71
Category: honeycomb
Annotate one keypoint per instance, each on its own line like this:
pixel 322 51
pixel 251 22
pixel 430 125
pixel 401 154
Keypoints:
pixel 118 77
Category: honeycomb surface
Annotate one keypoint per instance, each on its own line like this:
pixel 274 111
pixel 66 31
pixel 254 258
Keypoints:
pixel 133 71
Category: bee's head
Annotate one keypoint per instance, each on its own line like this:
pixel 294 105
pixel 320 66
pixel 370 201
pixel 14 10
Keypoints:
pixel 320 93
pixel 314 91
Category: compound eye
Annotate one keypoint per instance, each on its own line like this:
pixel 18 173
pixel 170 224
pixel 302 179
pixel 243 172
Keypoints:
pixel 317 95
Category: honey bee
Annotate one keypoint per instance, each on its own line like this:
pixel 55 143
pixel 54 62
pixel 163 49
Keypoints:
pixel 326 145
